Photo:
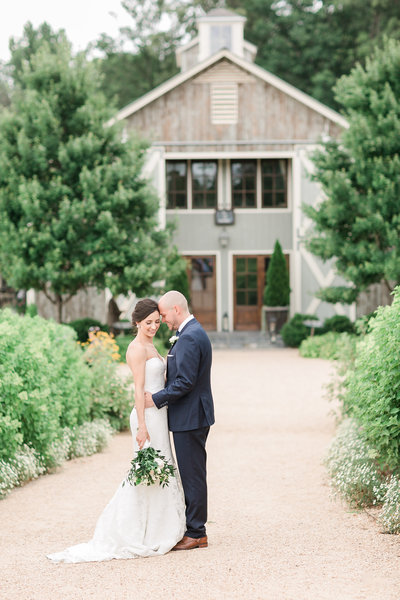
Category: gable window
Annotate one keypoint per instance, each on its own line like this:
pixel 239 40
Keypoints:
pixel 274 183
pixel 244 183
pixel 176 184
pixel 204 184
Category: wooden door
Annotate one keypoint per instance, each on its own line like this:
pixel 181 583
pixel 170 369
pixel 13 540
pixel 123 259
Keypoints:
pixel 249 279
pixel 202 283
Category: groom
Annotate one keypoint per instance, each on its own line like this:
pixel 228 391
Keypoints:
pixel 190 410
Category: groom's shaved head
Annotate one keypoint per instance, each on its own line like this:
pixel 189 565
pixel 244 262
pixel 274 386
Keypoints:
pixel 173 309
pixel 174 298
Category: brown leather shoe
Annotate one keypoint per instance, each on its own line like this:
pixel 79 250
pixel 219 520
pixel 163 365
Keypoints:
pixel 188 543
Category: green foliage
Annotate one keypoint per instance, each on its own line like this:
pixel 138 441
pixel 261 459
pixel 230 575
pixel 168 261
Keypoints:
pixel 44 383
pixel 358 222
pixel 277 289
pixel 31 310
pixel 81 327
pixel 75 210
pixel 294 331
pixel 372 395
pixel 338 323
pixel 177 278
pixel 50 389
pixel 351 464
pixel 149 467
pixel 111 396
pixel 330 346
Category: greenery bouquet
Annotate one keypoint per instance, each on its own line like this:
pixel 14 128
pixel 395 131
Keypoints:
pixel 149 467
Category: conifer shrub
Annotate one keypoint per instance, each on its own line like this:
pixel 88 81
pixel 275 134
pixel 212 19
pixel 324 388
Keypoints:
pixel 277 289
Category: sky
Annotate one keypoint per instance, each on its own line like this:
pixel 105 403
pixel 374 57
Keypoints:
pixel 83 20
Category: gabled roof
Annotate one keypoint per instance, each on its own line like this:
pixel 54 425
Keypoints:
pixel 255 70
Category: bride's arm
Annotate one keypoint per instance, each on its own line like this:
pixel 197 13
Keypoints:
pixel 136 359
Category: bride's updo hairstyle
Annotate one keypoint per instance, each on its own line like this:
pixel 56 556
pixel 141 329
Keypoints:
pixel 143 309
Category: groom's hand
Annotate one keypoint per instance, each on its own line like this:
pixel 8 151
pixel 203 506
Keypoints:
pixel 148 400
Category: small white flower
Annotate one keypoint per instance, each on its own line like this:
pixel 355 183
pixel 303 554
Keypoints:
pixel 173 339
pixel 159 462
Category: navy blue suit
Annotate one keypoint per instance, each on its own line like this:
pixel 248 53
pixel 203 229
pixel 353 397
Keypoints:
pixel 190 415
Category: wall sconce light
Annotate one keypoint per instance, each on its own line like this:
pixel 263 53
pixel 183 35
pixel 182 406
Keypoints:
pixel 223 239
pixel 225 322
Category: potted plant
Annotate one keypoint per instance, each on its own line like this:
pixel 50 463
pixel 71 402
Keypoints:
pixel 276 292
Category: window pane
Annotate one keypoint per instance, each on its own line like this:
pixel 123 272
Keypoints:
pixel 252 298
pixel 176 174
pixel 241 298
pixel 240 282
pixel 252 281
pixel 204 184
pixel 240 265
pixel 243 178
pixel 252 264
pixel 274 182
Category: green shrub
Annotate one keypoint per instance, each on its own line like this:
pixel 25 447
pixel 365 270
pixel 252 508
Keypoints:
pixel 294 331
pixel 31 310
pixel 110 396
pixel 44 383
pixel 277 289
pixel 372 395
pixel 49 391
pixel 81 326
pixel 339 324
pixel 330 346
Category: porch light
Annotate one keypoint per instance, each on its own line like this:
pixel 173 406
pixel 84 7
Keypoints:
pixel 225 322
pixel 223 239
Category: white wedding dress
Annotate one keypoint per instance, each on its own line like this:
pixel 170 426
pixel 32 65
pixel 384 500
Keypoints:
pixel 139 520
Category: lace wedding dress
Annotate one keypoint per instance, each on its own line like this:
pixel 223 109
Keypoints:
pixel 139 520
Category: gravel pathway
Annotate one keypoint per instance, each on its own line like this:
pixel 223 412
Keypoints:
pixel 274 532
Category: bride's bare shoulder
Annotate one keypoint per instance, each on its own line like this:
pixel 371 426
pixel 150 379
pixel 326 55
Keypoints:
pixel 136 352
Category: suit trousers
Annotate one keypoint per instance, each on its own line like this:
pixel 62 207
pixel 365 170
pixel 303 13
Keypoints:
pixel 190 449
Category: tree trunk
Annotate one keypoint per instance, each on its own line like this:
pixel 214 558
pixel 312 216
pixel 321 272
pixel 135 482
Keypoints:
pixel 59 303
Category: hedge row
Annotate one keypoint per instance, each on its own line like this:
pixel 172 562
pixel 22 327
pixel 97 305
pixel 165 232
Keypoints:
pixel 50 384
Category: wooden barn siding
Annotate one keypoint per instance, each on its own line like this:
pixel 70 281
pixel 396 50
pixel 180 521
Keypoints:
pixel 183 114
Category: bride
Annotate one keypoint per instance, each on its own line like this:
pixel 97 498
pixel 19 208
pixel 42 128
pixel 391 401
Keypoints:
pixel 139 520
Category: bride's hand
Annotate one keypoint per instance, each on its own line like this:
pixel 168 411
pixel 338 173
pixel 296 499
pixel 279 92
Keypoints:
pixel 141 436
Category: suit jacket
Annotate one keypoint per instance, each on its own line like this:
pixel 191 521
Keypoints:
pixel 188 388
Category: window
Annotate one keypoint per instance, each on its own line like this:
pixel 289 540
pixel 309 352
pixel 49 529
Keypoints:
pixel 221 37
pixel 204 184
pixel 274 183
pixel 176 184
pixel 246 281
pixel 244 183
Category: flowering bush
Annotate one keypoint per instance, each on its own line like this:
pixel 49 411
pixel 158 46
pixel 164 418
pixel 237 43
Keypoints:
pixel 352 465
pixel 111 397
pixel 390 513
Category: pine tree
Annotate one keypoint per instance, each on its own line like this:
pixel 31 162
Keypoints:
pixel 75 210
pixel 358 222
pixel 277 289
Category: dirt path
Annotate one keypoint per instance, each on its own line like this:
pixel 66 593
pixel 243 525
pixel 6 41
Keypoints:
pixel 274 532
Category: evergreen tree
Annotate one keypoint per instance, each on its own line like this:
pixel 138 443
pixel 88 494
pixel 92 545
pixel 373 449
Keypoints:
pixel 358 222
pixel 277 289
pixel 177 278
pixel 74 208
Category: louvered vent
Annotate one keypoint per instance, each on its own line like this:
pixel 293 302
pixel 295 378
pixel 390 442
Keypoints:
pixel 224 103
